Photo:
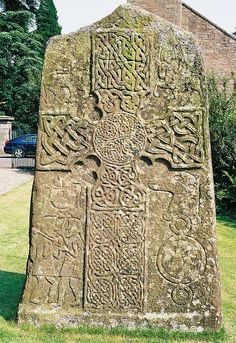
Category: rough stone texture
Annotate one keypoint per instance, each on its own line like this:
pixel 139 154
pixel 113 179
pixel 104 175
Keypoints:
pixel 123 218
pixel 218 46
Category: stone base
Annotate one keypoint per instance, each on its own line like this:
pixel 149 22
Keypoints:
pixel 187 322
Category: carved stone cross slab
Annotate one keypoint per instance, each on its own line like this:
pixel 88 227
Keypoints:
pixel 123 222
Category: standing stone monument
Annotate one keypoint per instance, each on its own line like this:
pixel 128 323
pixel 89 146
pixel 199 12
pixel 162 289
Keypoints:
pixel 123 220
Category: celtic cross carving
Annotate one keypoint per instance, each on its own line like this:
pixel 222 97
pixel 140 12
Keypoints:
pixel 128 129
pixel 122 228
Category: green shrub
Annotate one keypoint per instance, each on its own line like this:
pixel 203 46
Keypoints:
pixel 222 100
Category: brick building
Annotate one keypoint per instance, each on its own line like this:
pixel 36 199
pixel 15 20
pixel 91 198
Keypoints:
pixel 218 46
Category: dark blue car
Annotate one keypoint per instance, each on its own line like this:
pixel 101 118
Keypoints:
pixel 21 146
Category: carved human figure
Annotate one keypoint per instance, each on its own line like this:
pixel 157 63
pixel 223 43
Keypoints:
pixel 69 245
pixel 44 272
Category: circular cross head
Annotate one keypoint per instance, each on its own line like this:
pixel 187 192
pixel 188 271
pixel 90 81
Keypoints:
pixel 119 139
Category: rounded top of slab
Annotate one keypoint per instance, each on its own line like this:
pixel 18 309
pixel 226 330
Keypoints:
pixel 130 17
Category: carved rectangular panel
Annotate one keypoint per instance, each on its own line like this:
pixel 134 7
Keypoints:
pixel 62 142
pixel 116 260
pixel 179 138
pixel 115 270
pixel 121 61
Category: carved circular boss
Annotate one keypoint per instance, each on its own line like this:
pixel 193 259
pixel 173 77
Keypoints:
pixel 119 139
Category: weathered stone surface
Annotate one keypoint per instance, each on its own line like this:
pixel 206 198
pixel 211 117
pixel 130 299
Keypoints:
pixel 123 220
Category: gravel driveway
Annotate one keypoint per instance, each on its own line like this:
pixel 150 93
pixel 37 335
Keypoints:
pixel 11 178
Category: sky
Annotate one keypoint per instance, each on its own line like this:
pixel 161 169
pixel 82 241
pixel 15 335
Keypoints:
pixel 74 14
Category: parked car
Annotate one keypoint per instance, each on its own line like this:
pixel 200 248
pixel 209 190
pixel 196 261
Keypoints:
pixel 21 146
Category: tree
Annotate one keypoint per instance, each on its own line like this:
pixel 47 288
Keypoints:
pixel 222 98
pixel 47 20
pixel 21 57
pixel 19 5
pixel 20 68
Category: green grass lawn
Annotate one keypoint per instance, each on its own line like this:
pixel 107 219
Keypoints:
pixel 14 212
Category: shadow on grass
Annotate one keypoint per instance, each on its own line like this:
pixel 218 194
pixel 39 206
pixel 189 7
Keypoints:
pixel 227 221
pixel 11 285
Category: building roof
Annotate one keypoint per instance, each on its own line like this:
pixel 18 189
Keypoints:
pixel 209 21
